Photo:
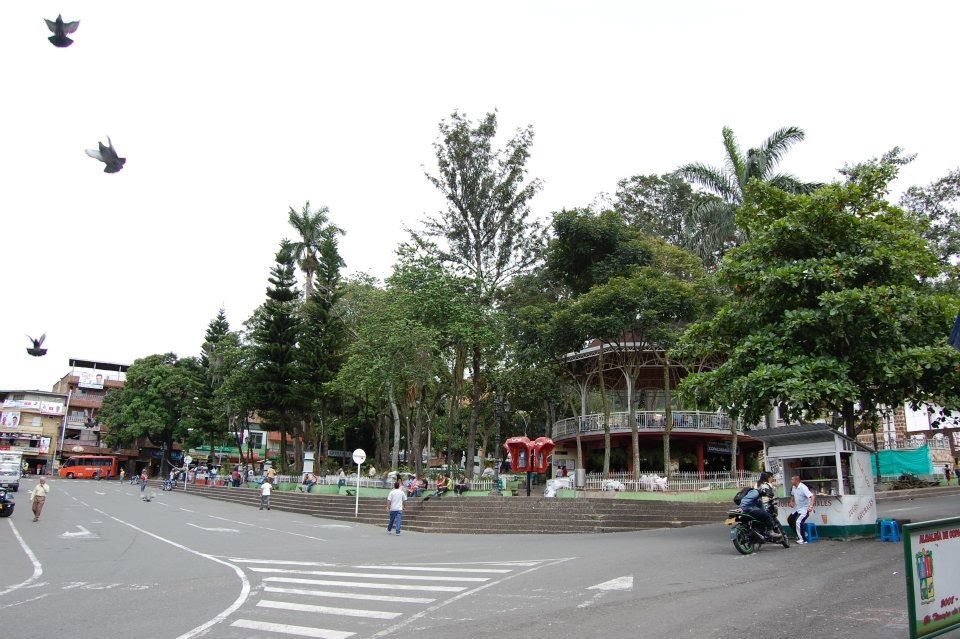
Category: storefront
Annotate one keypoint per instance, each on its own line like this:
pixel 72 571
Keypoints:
pixel 834 467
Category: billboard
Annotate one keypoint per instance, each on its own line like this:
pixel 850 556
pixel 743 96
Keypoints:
pixel 931 553
pixel 10 419
pixel 90 379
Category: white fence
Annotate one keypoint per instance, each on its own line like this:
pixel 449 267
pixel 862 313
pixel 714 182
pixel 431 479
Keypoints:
pixel 678 482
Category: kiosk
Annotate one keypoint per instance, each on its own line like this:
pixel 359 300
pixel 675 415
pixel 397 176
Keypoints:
pixel 834 467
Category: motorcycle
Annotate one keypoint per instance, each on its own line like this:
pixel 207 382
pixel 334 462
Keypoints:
pixel 6 503
pixel 749 533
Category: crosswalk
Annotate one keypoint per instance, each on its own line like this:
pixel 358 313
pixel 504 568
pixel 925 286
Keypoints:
pixel 330 601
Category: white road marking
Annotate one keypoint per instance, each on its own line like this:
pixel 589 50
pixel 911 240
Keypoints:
pixel 430 569
pixel 17 603
pixel 348 595
pixel 279 562
pixel 229 610
pixel 431 609
pixel 300 631
pixel 83 533
pixel 37 568
pixel 286 532
pixel 373 575
pixel 99 493
pixel 363 584
pixel 214 529
pixel 620 583
pixel 328 610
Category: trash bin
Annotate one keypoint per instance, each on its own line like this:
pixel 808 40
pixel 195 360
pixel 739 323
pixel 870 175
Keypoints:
pixel 580 478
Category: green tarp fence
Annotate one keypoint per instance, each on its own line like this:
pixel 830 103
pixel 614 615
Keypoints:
pixel 896 462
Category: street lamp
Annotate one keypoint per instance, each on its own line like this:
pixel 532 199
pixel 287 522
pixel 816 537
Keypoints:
pixel 501 407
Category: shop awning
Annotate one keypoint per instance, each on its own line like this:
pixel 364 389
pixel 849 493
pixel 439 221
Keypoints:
pixel 803 434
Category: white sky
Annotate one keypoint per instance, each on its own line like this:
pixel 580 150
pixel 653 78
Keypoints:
pixel 230 112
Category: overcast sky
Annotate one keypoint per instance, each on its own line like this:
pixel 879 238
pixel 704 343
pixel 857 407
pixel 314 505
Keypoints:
pixel 229 113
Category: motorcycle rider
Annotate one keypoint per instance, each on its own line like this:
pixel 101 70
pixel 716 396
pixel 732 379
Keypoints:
pixel 757 502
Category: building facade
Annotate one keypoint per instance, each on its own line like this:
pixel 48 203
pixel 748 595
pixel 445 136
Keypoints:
pixel 30 423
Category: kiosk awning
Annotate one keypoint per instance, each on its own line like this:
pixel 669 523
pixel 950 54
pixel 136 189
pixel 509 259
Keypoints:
pixel 804 434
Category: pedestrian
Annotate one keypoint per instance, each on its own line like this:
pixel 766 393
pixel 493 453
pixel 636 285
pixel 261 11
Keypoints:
pixel 946 473
pixel 395 499
pixel 265 494
pixel 143 485
pixel 123 474
pixel 250 474
pixel 213 476
pixel 271 474
pixel 38 496
pixel 342 479
pixel 236 477
pixel 801 502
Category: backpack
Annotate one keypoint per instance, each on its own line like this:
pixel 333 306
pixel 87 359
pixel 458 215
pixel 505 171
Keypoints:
pixel 741 494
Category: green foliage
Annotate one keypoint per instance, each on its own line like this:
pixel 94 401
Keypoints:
pixel 937 204
pixel 829 310
pixel 484 226
pixel 714 229
pixel 159 401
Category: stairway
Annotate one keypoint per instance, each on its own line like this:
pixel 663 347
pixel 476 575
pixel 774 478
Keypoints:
pixel 487 515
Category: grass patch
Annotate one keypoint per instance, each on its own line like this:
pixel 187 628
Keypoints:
pixel 722 495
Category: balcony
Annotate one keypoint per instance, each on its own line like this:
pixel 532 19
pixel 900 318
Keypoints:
pixel 647 421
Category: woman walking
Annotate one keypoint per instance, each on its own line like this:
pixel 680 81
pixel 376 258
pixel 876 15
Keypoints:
pixel 38 496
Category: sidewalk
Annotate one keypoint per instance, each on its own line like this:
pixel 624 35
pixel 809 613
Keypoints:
pixel 916 493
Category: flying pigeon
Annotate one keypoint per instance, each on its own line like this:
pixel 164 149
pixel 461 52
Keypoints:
pixel 36 351
pixel 107 155
pixel 60 30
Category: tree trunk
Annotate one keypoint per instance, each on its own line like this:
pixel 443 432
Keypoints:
pixel 668 417
pixel 628 373
pixel 453 416
pixel 606 418
pixel 395 449
pixel 474 411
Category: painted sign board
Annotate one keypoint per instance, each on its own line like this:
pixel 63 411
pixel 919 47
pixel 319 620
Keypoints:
pixel 931 554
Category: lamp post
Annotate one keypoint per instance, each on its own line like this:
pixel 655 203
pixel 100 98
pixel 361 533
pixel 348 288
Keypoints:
pixel 501 407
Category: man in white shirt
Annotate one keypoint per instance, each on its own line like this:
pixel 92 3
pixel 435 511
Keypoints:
pixel 395 500
pixel 265 488
pixel 801 501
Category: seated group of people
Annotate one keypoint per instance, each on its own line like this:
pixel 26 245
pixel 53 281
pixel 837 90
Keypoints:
pixel 445 484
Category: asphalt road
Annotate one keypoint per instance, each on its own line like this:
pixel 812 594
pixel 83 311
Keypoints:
pixel 101 562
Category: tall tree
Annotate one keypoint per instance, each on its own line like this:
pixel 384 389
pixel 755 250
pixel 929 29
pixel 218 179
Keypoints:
pixel 938 203
pixel 275 337
pixel 322 343
pixel 829 314
pixel 158 401
pixel 484 229
pixel 714 228
pixel 315 233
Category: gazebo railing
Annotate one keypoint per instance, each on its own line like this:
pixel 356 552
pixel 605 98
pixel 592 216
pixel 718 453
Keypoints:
pixel 646 421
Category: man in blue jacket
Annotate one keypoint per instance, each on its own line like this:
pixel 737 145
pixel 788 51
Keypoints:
pixel 756 501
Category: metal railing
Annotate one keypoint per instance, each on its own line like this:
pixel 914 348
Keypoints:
pixel 646 421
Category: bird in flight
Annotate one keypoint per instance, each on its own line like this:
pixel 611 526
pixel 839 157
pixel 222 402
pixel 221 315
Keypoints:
pixel 107 155
pixel 36 351
pixel 60 30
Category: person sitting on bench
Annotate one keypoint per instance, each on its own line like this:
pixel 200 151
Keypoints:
pixel 461 486
pixel 442 487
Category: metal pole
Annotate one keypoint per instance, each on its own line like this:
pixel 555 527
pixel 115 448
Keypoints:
pixel 496 492
pixel 63 425
pixel 356 503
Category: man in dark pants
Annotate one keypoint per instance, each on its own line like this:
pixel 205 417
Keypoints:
pixel 801 503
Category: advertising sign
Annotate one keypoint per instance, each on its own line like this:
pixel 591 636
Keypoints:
pixel 90 380
pixel 931 553
pixel 10 419
pixel 51 408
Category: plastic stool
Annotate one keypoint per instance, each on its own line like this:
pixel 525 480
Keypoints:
pixel 889 530
pixel 810 532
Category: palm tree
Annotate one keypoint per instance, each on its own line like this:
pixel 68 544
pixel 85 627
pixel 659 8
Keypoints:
pixel 315 233
pixel 713 227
